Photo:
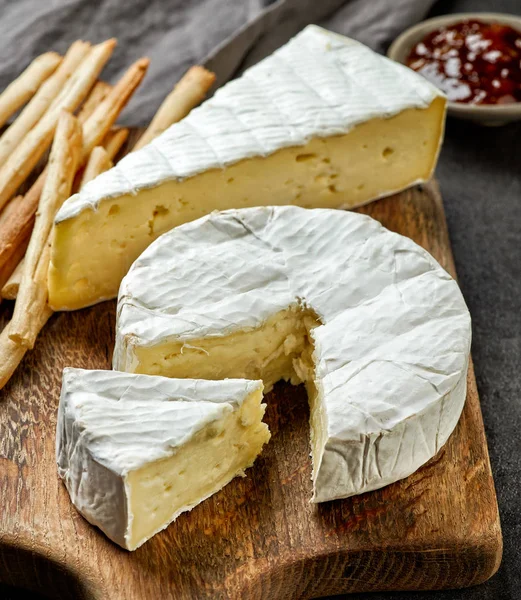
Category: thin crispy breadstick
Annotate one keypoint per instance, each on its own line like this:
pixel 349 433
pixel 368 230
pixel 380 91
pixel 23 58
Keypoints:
pixel 32 295
pixel 16 254
pixel 15 230
pixel 114 141
pixel 42 100
pixel 189 92
pixel 98 124
pixel 98 162
pixel 25 86
pixel 96 96
pixel 11 353
pixel 9 212
pixel 22 161
pixel 10 289
pixel 106 113
pixel 16 218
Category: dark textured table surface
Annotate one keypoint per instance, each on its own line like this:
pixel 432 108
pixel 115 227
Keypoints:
pixel 480 178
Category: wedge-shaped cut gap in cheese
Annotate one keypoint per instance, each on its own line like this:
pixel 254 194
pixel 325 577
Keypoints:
pixel 136 451
pixel 320 105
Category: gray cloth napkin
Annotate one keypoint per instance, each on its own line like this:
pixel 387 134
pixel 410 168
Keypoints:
pixel 226 35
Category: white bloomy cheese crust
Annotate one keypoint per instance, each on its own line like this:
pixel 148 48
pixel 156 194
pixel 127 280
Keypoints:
pixel 323 122
pixel 374 326
pixel 135 451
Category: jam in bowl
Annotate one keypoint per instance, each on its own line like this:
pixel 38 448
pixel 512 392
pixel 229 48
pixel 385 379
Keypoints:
pixel 471 61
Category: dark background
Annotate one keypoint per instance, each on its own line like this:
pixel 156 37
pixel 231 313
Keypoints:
pixel 480 177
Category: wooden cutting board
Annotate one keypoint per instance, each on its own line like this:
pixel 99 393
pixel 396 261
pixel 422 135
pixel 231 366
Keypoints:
pixel 260 537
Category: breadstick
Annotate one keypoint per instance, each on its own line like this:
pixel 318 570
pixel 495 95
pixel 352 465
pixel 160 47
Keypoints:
pixel 96 96
pixel 14 234
pixel 11 353
pixel 189 92
pixel 25 86
pixel 99 161
pixel 15 219
pixel 10 288
pixel 51 88
pixel 98 124
pixel 22 161
pixel 114 141
pixel 32 294
pixel 9 212
pixel 106 113
pixel 16 254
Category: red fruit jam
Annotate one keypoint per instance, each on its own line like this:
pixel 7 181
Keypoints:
pixel 472 62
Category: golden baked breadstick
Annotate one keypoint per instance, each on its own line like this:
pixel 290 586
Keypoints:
pixel 14 237
pixel 114 141
pixel 24 158
pixel 106 113
pixel 16 253
pixel 96 96
pixel 99 161
pixel 189 92
pixel 10 288
pixel 32 295
pixel 25 86
pixel 43 98
pixel 16 219
pixel 11 353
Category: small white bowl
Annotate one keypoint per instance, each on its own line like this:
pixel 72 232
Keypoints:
pixel 491 114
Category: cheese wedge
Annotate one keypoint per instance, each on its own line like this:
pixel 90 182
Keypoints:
pixel 368 320
pixel 135 451
pixel 323 122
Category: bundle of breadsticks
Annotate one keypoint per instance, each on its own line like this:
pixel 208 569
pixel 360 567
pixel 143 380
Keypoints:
pixel 67 109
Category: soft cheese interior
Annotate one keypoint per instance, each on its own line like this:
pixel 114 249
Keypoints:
pixel 367 319
pixel 282 348
pixel 136 451
pixel 324 122
pixel 159 491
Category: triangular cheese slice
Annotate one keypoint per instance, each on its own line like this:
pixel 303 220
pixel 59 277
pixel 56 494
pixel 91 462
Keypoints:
pixel 135 451
pixel 323 122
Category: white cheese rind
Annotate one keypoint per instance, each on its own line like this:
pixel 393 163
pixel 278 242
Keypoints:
pixel 320 84
pixel 110 424
pixel 391 350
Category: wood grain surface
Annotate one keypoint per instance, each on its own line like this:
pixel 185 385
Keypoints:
pixel 260 537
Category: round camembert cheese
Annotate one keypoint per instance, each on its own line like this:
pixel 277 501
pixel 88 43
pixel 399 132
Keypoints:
pixel 368 320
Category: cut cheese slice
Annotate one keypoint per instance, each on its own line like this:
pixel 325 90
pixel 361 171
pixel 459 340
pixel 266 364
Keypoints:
pixel 136 451
pixel 376 329
pixel 323 122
